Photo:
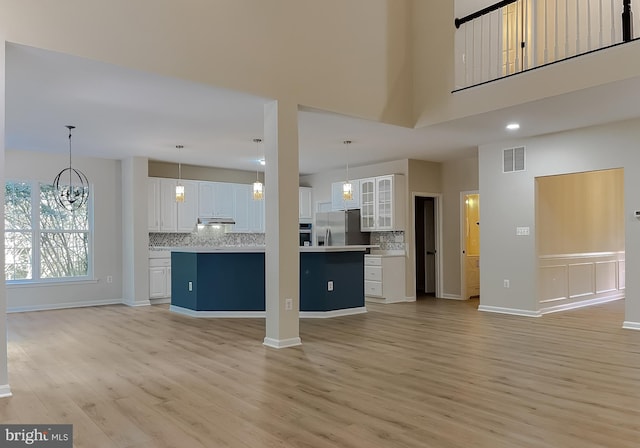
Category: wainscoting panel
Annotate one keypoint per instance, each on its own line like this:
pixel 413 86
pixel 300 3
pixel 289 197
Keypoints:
pixel 554 283
pixel 581 281
pixel 567 281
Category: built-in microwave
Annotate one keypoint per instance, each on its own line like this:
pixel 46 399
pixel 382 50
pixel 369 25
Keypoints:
pixel 305 234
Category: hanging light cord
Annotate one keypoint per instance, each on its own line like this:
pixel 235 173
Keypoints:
pixel 70 129
pixel 347 143
pixel 258 141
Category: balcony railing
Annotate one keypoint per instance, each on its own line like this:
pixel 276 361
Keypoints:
pixel 513 36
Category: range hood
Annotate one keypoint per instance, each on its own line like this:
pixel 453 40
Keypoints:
pixel 214 220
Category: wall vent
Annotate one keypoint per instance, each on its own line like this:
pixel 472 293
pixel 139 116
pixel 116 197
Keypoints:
pixel 513 159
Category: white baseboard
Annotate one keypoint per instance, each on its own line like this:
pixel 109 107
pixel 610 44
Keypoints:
pixel 631 325
pixel 581 304
pixel 59 306
pixel 282 343
pixel 229 314
pixel 332 313
pixel 5 391
pixel 160 301
pixel 451 297
pixel 511 311
pixel 390 300
pixel 142 302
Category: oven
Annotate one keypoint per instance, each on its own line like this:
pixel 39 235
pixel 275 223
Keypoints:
pixel 305 233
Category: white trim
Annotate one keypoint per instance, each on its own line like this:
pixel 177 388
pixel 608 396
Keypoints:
pixel 332 313
pixel 511 311
pixel 58 306
pixel 15 284
pixel 631 325
pixel 5 391
pixel 389 300
pixel 451 297
pixel 581 255
pixel 229 314
pixel 159 301
pixel 282 343
pixel 581 304
pixel 137 303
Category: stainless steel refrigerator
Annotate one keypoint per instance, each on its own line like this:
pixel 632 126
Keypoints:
pixel 339 228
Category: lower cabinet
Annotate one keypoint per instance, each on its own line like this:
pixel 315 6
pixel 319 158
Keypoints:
pixel 159 278
pixel 384 278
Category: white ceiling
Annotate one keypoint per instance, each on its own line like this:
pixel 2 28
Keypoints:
pixel 120 113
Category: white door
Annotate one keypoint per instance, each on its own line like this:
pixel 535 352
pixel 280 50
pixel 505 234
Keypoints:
pixel 223 200
pixel 153 204
pixel 168 207
pixel 367 204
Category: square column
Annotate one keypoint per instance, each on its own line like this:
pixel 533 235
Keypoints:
pixel 282 255
pixel 5 391
pixel 135 232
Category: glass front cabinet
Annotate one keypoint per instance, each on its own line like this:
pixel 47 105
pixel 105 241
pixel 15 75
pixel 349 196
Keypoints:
pixel 382 203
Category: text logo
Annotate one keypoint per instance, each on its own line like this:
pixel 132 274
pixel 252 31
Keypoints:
pixel 36 436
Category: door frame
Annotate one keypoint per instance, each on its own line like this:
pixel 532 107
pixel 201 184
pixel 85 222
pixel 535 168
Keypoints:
pixel 437 206
pixel 463 247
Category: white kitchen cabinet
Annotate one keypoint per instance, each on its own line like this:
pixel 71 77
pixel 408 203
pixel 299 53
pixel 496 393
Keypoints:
pixel 223 199
pixel 337 201
pixel 153 204
pixel 164 213
pixel 305 206
pixel 205 199
pixel 248 212
pixel 159 278
pixel 384 278
pixel 382 203
pixel 188 210
pixel 216 199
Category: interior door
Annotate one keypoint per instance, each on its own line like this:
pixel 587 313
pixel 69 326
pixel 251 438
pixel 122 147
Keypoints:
pixel 429 246
pixel 471 240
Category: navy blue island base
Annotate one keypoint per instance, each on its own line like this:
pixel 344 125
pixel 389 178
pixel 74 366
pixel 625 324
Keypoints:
pixel 231 283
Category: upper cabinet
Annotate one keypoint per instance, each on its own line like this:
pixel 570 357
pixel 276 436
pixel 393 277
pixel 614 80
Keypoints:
pixel 305 204
pixel 248 213
pixel 216 199
pixel 164 213
pixel 338 202
pixel 382 203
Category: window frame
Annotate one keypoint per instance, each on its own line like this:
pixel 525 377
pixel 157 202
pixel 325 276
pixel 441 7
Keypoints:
pixel 36 238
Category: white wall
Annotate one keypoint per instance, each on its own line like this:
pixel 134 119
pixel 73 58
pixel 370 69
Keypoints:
pixel 508 200
pixel 105 179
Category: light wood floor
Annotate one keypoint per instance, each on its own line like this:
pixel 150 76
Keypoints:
pixel 433 373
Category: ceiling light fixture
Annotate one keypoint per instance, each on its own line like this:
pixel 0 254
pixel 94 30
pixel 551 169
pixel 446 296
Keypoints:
pixel 75 194
pixel 179 186
pixel 513 126
pixel 347 188
pixel 258 188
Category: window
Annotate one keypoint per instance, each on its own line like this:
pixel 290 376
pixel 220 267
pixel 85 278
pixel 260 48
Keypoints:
pixel 43 241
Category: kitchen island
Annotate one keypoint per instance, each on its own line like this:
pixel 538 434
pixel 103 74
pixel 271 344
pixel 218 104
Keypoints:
pixel 230 281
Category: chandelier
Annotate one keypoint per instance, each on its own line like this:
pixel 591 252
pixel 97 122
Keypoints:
pixel 71 186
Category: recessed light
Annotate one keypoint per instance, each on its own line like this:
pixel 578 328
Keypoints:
pixel 513 126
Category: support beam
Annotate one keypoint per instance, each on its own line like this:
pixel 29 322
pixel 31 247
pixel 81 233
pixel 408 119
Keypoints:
pixel 282 258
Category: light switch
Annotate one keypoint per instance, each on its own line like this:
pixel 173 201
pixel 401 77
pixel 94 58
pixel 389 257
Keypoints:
pixel 522 231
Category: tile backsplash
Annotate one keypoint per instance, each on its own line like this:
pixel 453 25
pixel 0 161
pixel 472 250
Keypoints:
pixel 206 237
pixel 389 240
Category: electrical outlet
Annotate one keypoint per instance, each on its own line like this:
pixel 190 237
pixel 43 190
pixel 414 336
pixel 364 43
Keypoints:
pixel 288 304
pixel 330 285
pixel 190 286
pixel 109 278
pixel 506 283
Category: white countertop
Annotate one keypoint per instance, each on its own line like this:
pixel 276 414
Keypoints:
pixel 259 249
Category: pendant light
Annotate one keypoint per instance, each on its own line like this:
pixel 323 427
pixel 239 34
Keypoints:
pixel 75 193
pixel 258 188
pixel 347 188
pixel 179 186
